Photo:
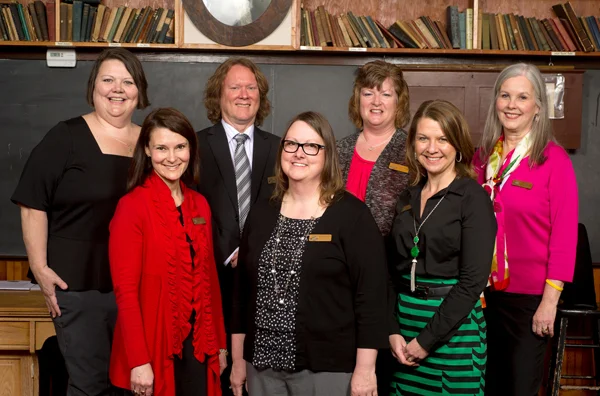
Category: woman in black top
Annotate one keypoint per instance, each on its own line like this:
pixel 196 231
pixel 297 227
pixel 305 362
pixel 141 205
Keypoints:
pixel 68 192
pixel 310 286
pixel 444 233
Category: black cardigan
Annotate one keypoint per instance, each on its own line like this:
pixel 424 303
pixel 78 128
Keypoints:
pixel 343 286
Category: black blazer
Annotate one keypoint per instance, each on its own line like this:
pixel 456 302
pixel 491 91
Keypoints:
pixel 217 184
pixel 343 286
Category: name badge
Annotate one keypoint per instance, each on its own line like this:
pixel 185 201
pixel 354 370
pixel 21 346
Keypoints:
pixel 405 208
pixel 198 220
pixel 522 184
pixel 319 238
pixel 271 180
pixel 398 167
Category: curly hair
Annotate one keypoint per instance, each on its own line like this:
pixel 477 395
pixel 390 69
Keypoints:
pixel 212 92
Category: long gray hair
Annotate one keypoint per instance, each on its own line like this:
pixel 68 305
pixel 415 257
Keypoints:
pixel 541 129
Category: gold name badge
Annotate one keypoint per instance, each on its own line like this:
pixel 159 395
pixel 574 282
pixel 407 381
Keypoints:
pixel 405 208
pixel 398 167
pixel 522 184
pixel 319 238
pixel 198 220
pixel 271 180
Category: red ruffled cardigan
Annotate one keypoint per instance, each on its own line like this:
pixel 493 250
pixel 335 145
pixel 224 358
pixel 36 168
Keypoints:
pixel 156 286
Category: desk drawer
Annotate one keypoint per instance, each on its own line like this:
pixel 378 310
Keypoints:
pixel 14 335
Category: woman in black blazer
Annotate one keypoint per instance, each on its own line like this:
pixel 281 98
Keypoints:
pixel 310 288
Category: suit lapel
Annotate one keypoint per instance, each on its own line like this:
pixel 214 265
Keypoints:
pixel 217 139
pixel 259 162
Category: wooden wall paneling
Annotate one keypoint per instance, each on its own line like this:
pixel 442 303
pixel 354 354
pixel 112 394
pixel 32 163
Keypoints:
pixel 13 269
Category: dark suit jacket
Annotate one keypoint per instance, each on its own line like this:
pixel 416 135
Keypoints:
pixel 217 184
pixel 343 286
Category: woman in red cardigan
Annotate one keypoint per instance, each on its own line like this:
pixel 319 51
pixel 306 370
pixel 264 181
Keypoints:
pixel 169 338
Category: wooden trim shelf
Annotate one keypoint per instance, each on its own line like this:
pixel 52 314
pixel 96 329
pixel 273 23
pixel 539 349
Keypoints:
pixel 82 44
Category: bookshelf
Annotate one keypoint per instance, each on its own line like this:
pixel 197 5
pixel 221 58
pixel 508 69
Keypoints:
pixel 287 36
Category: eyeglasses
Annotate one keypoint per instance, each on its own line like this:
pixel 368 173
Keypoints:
pixel 289 146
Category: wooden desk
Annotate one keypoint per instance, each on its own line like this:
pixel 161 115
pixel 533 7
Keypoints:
pixel 24 326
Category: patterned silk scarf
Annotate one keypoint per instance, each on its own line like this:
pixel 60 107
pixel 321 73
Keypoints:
pixel 496 174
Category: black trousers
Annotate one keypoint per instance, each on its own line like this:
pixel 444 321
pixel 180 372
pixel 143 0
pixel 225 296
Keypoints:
pixel 515 365
pixel 84 332
pixel 190 374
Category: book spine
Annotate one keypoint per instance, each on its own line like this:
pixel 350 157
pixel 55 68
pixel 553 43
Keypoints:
pixel 578 28
pixel 3 27
pixel 544 32
pixel 493 32
pixel 12 31
pixel 469 28
pixel 485 32
pixel 33 32
pixel 353 38
pixel 595 28
pixel 527 39
pixel 357 33
pixel 475 34
pixel 115 24
pixel 516 32
pixel 359 29
pixel 36 22
pixel 49 20
pixel 165 27
pixel 453 26
pixel 77 16
pixel 402 36
pixel 121 26
pixel 462 28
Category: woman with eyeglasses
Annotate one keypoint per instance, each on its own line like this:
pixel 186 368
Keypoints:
pixel 310 288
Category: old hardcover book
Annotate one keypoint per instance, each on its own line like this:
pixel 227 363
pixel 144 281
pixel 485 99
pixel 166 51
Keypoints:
pixel 14 12
pixel 35 22
pixel 493 32
pixel 354 28
pixel 392 40
pixel 378 34
pixel 559 25
pixel 326 32
pixel 530 34
pixel 309 37
pixel 516 32
pixel 595 28
pixel 365 25
pixel 510 33
pixel 130 24
pixel 50 18
pixel 452 24
pixel 553 34
pixel 469 20
pixel 345 26
pixel 544 32
pixel 85 16
pixel 442 32
pixel 347 38
pixel 142 20
pixel 527 41
pixel 121 27
pixel 540 31
pixel 462 28
pixel 411 29
pixel 12 31
pixel 98 22
pixel 475 26
pixel 69 22
pixel 359 29
pixel 579 31
pixel 171 33
pixel 111 20
pixel 503 41
pixel 165 27
pixel 401 35
pixel 435 32
pixel 588 31
pixel 431 41
pixel 77 17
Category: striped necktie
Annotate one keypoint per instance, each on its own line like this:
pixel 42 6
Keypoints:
pixel 242 178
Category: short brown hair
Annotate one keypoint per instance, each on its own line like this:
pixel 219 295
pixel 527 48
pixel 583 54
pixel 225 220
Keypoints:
pixel 455 128
pixel 372 75
pixel 173 120
pixel 332 184
pixel 133 66
pixel 214 86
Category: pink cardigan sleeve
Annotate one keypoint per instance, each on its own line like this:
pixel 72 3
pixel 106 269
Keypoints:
pixel 125 254
pixel 563 216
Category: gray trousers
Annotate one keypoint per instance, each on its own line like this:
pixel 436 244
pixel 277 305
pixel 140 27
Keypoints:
pixel 84 332
pixel 303 383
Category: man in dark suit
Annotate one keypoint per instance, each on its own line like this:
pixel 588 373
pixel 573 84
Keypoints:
pixel 237 163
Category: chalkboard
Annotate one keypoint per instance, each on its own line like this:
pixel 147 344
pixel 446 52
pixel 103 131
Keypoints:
pixel 36 97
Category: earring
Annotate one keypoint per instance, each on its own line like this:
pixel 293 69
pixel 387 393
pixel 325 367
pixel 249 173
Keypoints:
pixel 536 117
pixel 415 156
pixel 459 157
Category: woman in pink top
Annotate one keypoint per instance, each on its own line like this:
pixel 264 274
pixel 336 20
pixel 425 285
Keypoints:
pixel 531 181
pixel 372 159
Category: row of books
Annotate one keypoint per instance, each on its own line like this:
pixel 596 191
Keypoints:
pixel 83 22
pixel 321 29
pixel 32 21
pixel 474 29
pixel 470 29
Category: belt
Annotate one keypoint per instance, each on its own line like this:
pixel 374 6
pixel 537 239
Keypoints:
pixel 425 292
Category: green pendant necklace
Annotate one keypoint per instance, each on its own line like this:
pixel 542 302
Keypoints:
pixel 414 251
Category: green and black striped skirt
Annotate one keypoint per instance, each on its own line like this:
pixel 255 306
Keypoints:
pixel 455 368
